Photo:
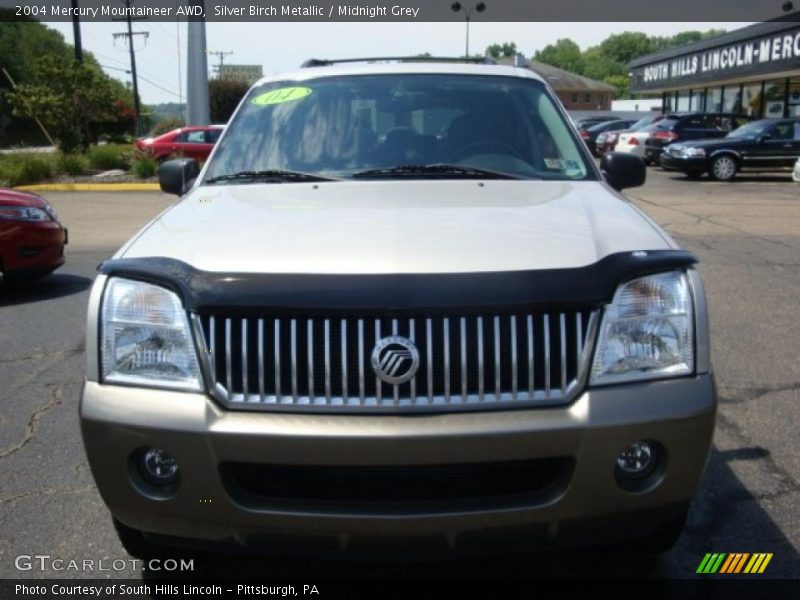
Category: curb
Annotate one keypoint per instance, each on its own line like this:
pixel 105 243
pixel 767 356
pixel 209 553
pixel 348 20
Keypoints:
pixel 89 187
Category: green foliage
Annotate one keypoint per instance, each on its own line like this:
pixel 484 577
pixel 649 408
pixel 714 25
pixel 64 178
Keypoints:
pixel 73 164
pixel 65 96
pixel 564 54
pixel 165 125
pixel 26 167
pixel 504 50
pixel 599 66
pixel 144 166
pixel 224 96
pixel 23 42
pixel 110 156
pixel 621 83
pixel 608 62
pixel 624 47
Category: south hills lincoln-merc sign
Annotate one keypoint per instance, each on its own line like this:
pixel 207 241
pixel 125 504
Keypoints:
pixel 773 53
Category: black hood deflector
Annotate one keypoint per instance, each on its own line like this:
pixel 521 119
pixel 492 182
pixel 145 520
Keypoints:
pixel 347 294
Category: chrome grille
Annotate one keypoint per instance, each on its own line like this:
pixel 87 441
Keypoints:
pixel 466 361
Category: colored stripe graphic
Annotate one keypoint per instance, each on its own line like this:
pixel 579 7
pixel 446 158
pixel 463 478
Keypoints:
pixel 742 557
pixel 734 563
pixel 711 563
pixel 730 564
pixel 703 563
pixel 727 564
pixel 765 563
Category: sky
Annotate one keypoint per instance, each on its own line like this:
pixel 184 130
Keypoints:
pixel 283 46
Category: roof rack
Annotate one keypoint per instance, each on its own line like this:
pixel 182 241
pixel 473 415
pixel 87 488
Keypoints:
pixel 325 62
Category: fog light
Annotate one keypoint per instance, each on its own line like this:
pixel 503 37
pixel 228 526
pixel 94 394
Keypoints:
pixel 638 460
pixel 158 467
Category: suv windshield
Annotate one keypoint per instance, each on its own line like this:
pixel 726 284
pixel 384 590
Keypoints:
pixel 365 125
pixel 664 124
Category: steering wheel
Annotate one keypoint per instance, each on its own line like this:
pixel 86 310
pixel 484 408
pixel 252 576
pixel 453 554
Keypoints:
pixel 487 148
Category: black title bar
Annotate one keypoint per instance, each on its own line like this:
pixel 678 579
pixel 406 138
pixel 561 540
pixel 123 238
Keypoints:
pixel 402 10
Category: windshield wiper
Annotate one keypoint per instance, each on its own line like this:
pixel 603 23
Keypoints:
pixel 268 176
pixel 438 169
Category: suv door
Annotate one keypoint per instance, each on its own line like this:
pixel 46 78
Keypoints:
pixel 693 127
pixel 720 125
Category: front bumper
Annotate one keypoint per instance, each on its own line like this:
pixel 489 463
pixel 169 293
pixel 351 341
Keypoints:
pixel 653 153
pixel 31 246
pixel 117 421
pixel 687 165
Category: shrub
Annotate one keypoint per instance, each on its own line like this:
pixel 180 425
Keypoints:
pixel 73 164
pixel 25 168
pixel 144 166
pixel 224 96
pixel 110 156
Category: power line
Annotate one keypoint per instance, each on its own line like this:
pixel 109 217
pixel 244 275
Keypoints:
pixel 129 36
pixel 163 89
pixel 116 69
pixel 221 56
pixel 143 78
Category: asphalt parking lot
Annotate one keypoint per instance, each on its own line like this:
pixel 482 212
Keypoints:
pixel 747 236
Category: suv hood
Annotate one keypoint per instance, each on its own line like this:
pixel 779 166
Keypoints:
pixel 419 226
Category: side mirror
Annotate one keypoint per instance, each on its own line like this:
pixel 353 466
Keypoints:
pixel 623 170
pixel 177 176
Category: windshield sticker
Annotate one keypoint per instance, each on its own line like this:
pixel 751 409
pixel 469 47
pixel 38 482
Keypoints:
pixel 281 95
pixel 554 163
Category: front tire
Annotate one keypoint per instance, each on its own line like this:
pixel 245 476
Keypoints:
pixel 723 168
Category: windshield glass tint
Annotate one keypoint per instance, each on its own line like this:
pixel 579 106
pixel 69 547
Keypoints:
pixel 665 124
pixel 641 124
pixel 338 126
pixel 751 130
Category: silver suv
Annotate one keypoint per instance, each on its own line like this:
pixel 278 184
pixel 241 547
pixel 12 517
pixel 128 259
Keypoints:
pixel 400 304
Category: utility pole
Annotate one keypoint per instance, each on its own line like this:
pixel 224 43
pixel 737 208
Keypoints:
pixel 76 32
pixel 129 36
pixel 221 56
pixel 180 75
pixel 197 105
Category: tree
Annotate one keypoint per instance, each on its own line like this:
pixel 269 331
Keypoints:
pixel 65 95
pixel 624 47
pixel 621 84
pixel 224 96
pixel 564 54
pixel 504 50
pixel 598 65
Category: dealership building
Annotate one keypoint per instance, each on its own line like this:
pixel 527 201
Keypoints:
pixel 754 70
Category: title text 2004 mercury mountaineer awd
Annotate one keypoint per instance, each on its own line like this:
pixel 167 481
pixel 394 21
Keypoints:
pixel 400 305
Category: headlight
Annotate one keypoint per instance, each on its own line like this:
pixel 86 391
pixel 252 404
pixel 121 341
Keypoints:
pixel 23 213
pixel 146 338
pixel 693 152
pixel 647 331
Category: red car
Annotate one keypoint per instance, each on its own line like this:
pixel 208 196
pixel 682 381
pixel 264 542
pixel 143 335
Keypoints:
pixel 190 142
pixel 31 238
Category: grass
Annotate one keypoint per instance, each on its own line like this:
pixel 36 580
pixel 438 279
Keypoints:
pixel 26 167
pixel 110 156
pixel 73 164
pixel 23 168
pixel 144 166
